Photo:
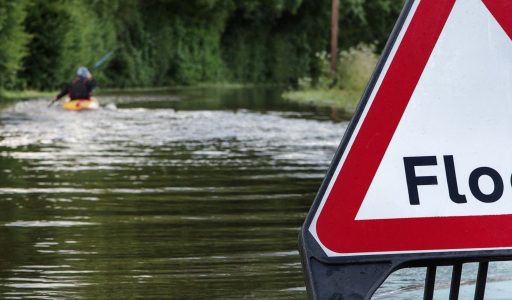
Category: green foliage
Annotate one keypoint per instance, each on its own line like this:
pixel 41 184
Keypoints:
pixel 276 46
pixel 355 66
pixel 367 21
pixel 322 79
pixel 353 69
pixel 345 87
pixel 167 42
pixel 65 35
pixel 13 40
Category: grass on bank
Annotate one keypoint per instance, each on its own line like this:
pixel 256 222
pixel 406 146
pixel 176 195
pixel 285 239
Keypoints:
pixel 13 95
pixel 344 100
pixel 27 94
pixel 342 90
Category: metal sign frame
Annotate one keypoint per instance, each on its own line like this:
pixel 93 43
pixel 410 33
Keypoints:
pixel 359 276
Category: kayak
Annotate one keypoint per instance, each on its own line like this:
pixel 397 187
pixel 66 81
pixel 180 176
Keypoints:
pixel 81 104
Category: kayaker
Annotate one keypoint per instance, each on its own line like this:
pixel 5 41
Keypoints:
pixel 80 88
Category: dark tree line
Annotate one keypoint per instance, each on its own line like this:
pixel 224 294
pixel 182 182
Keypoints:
pixel 166 42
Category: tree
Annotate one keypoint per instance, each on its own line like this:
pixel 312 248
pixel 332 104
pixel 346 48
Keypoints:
pixel 13 40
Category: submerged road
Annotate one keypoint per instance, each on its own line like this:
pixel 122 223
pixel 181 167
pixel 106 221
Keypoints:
pixel 195 194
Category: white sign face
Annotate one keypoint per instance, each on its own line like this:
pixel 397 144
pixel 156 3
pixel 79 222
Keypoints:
pixel 460 114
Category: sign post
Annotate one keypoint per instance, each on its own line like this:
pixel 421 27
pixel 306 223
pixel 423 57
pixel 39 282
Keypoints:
pixel 424 170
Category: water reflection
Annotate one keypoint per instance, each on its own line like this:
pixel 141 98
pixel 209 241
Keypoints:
pixel 47 224
pixel 44 282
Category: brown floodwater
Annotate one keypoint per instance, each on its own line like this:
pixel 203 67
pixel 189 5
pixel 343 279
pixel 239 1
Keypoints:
pixel 178 193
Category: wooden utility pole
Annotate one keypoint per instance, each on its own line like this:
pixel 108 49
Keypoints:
pixel 334 35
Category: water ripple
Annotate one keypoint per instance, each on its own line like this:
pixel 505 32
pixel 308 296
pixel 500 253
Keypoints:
pixel 48 224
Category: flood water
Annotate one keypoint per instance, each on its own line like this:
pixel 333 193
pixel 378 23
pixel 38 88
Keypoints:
pixel 178 194
pixel 182 194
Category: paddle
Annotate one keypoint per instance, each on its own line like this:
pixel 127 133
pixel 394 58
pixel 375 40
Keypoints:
pixel 102 60
pixel 96 65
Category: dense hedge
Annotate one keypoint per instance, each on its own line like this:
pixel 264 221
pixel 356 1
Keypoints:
pixel 166 42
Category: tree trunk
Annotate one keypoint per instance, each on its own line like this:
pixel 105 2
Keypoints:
pixel 334 35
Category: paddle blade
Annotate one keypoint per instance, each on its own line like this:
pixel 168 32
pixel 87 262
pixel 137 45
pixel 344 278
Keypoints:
pixel 102 60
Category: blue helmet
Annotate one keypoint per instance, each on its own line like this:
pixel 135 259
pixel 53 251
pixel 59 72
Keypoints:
pixel 83 72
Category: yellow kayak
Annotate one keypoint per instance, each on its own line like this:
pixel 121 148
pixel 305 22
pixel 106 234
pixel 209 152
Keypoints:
pixel 81 104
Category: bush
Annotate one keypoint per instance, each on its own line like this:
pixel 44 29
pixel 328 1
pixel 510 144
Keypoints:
pixel 354 67
pixel 13 40
pixel 64 35
pixel 343 89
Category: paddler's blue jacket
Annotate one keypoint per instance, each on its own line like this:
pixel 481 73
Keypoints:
pixel 79 88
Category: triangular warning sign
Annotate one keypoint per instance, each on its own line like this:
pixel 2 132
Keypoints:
pixel 426 163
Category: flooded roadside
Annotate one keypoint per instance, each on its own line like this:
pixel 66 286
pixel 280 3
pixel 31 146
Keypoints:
pixel 187 194
pixel 192 196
